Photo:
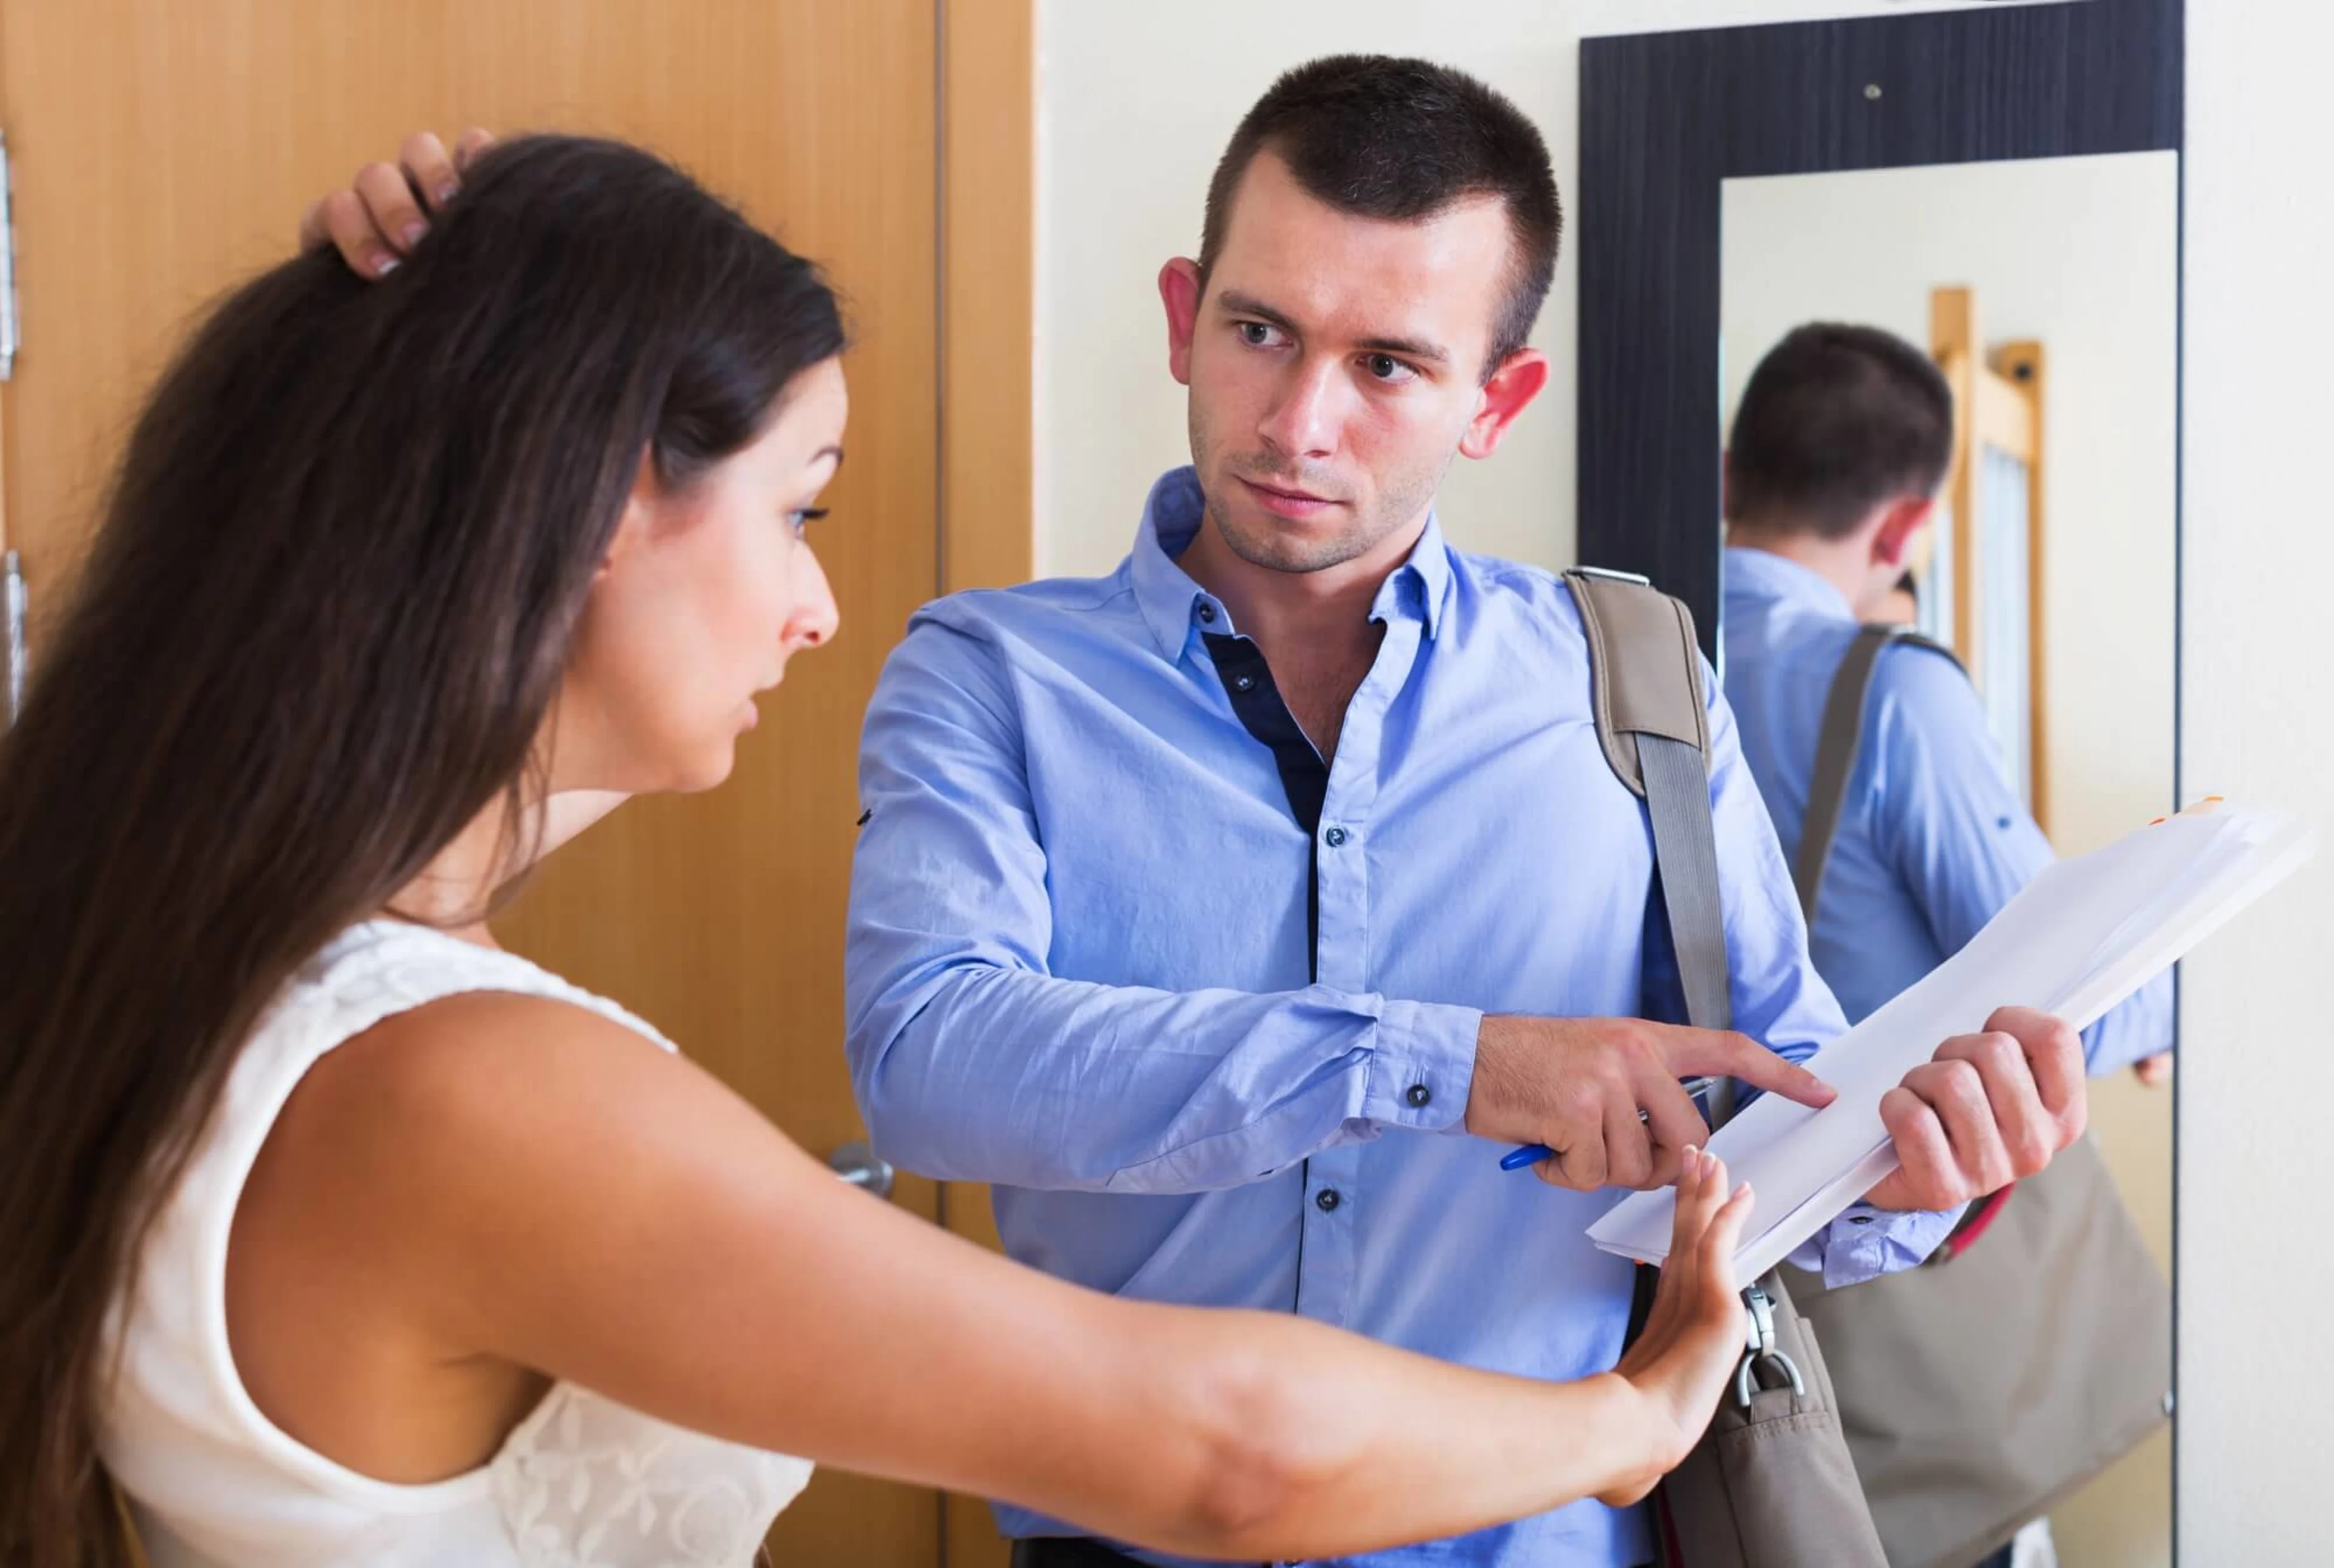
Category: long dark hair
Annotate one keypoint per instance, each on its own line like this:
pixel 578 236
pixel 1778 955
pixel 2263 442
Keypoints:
pixel 318 633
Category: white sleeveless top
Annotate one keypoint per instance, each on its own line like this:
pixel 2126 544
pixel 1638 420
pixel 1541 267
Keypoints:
pixel 581 1483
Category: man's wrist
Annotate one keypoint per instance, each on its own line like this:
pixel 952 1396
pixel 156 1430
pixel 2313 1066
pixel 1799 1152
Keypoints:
pixel 1492 1094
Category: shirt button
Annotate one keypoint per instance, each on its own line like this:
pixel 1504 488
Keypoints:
pixel 1418 1094
pixel 1244 683
pixel 1326 1200
pixel 1860 1219
pixel 1207 613
pixel 1335 838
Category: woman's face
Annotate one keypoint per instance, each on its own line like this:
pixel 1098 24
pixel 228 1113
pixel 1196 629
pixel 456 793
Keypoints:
pixel 704 595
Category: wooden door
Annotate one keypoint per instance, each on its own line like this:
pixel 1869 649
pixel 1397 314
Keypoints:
pixel 165 149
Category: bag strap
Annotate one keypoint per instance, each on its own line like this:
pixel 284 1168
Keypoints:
pixel 1645 674
pixel 1835 752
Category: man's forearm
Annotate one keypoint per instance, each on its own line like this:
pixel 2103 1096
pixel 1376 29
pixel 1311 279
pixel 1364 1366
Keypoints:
pixel 987 1073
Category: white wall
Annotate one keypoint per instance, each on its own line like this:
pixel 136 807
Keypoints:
pixel 2256 1360
pixel 2259 408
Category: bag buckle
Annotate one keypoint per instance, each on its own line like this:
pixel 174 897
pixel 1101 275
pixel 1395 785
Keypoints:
pixel 1762 1349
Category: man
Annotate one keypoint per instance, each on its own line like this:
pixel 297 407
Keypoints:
pixel 1206 908
pixel 1839 444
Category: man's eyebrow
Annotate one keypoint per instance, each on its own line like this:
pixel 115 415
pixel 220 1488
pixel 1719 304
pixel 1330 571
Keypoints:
pixel 1240 305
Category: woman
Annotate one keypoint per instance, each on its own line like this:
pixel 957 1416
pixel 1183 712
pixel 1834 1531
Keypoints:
pixel 337 1234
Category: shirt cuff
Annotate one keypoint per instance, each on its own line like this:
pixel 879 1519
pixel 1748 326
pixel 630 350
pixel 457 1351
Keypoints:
pixel 1423 1066
pixel 1865 1243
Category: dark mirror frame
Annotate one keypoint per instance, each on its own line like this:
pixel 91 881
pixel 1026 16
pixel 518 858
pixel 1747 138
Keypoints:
pixel 1666 117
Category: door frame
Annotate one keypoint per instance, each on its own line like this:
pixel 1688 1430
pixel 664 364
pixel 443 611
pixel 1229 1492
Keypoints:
pixel 987 194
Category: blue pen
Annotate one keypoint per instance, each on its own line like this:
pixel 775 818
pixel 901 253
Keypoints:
pixel 1533 1153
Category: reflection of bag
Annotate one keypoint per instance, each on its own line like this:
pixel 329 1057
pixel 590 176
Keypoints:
pixel 1770 1484
pixel 2030 1354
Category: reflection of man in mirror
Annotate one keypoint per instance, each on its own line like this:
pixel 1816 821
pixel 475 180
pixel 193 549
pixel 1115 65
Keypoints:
pixel 1840 443
pixel 1206 908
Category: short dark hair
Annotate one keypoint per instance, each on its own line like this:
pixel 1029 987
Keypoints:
pixel 1836 420
pixel 1402 140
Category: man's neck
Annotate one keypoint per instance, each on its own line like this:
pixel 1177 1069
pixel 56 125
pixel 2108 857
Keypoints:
pixel 1327 610
pixel 1842 562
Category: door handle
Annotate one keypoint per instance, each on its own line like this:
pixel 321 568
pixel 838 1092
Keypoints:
pixel 857 1163
pixel 13 660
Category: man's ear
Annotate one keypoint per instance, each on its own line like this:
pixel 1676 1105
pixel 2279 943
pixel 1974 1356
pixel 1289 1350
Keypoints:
pixel 1900 526
pixel 1179 291
pixel 1509 392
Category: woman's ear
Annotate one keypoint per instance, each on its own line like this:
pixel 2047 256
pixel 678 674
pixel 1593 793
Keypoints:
pixel 639 513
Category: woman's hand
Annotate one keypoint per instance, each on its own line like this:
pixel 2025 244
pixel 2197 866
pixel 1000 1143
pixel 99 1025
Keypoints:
pixel 381 215
pixel 1694 1339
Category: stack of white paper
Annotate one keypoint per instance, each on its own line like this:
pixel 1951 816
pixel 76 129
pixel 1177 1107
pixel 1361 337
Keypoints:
pixel 2086 934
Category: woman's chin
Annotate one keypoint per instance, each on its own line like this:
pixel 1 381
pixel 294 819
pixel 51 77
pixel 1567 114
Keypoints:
pixel 674 765
pixel 709 772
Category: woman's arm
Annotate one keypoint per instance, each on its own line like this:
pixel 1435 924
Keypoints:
pixel 543 1186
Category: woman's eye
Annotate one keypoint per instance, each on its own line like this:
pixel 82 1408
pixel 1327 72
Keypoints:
pixel 798 521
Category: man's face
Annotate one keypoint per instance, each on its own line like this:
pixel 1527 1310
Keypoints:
pixel 1335 365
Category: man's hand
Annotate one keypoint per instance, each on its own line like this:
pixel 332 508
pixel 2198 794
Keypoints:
pixel 1986 1110
pixel 2156 1071
pixel 376 219
pixel 1604 1092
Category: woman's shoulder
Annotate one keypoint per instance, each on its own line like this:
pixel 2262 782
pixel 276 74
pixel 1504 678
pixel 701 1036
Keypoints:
pixel 382 972
pixel 452 1061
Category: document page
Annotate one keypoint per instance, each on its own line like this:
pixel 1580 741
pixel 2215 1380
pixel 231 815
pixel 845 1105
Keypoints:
pixel 2083 936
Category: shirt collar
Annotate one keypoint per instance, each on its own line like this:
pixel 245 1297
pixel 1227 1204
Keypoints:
pixel 1171 602
pixel 1765 575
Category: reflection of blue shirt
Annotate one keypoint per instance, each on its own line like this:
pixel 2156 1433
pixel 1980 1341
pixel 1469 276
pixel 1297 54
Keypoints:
pixel 1080 965
pixel 1932 841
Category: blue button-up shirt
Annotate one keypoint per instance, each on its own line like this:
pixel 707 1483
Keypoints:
pixel 1078 965
pixel 1933 840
